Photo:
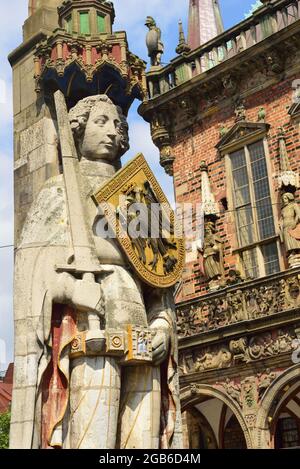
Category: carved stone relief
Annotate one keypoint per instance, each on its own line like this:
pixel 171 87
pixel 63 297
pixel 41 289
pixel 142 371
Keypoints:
pixel 234 305
pixel 238 351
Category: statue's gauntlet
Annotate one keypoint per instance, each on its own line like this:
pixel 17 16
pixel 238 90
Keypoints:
pixel 84 295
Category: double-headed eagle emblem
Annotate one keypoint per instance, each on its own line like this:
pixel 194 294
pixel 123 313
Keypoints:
pixel 143 222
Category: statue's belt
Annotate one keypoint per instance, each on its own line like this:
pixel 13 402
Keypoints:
pixel 132 345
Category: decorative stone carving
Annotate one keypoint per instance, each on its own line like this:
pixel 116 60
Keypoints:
pixel 153 42
pixel 239 351
pixel 160 132
pixel 188 321
pixel 292 291
pixel 240 112
pixel 229 84
pixel 286 178
pixel 265 380
pixel 239 131
pixel 213 246
pixel 267 345
pixel 182 47
pixel 234 277
pixel 186 363
pixel 261 116
pixel 274 62
pixel 241 303
pixel 249 400
pixel 219 358
pixel 236 307
pixel 232 389
pixel 209 205
pixel 249 392
pixel 223 130
pixel 91 55
pixel 264 300
pixel 290 228
pixel 294 110
pixel 213 256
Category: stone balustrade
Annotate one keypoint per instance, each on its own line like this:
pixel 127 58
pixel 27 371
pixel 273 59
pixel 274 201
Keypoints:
pixel 273 17
pixel 245 301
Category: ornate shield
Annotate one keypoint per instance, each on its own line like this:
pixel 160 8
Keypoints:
pixel 134 199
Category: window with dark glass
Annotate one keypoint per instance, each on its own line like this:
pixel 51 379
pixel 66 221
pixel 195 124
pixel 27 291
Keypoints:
pixel 254 211
pixel 287 433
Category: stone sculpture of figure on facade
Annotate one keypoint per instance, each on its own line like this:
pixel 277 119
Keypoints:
pixel 153 41
pixel 62 400
pixel 212 253
pixel 290 225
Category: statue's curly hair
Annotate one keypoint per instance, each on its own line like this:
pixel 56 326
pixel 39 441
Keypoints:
pixel 79 116
pixel 289 195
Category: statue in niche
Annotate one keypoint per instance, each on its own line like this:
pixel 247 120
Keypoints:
pixel 290 225
pixel 212 253
pixel 62 399
pixel 153 42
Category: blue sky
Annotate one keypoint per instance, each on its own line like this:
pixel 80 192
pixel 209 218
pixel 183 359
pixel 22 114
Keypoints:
pixel 130 16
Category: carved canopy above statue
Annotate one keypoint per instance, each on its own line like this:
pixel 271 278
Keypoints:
pixel 81 67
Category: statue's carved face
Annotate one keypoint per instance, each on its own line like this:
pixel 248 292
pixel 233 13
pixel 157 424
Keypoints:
pixel 286 199
pixel 102 137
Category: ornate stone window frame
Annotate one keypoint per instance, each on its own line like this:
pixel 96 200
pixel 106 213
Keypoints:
pixel 294 111
pixel 240 136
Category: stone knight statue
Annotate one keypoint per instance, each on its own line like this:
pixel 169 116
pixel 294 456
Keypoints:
pixel 64 400
pixel 154 43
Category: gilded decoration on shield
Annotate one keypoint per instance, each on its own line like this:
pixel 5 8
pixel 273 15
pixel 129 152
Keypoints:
pixel 144 223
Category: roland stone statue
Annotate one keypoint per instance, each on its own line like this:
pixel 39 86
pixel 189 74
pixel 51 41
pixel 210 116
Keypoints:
pixel 75 295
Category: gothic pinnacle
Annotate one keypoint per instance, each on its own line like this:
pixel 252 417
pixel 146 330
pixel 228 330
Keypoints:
pixel 182 44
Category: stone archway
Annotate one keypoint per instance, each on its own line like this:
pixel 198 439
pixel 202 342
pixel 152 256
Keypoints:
pixel 271 404
pixel 194 394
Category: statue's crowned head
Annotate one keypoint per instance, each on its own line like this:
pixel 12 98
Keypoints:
pixel 100 129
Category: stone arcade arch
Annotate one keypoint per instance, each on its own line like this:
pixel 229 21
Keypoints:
pixel 194 394
pixel 271 405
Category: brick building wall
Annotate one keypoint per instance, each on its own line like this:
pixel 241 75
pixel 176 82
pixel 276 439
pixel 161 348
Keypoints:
pixel 199 144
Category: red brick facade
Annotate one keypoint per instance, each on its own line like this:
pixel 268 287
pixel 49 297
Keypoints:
pixel 6 389
pixel 200 144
